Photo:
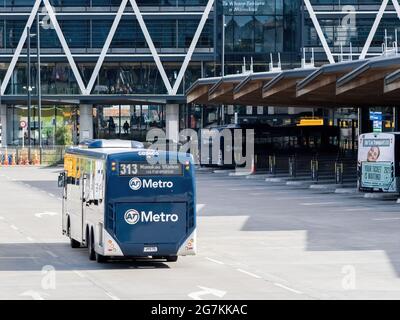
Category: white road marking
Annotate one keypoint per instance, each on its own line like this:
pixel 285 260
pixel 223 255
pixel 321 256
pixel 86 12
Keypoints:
pixel 46 213
pixel 52 254
pixel 294 198
pixel 51 195
pixel 13 227
pixel 80 274
pixel 30 239
pixel 59 199
pixel 247 189
pixel 215 261
pixel 112 296
pixel 1 218
pixel 287 288
pixel 33 294
pixel 357 209
pixel 385 219
pixel 249 273
pixel 206 291
pixel 317 203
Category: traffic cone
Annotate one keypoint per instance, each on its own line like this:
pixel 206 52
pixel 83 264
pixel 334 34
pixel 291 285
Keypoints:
pixel 20 160
pixel 13 163
pixel 253 165
pixel 35 161
pixel 5 163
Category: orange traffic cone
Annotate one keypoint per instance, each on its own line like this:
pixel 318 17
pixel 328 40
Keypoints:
pixel 13 163
pixel 35 161
pixel 5 163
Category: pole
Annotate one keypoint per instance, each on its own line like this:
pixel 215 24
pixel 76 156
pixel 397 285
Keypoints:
pixel 39 87
pixel 223 65
pixel 223 46
pixel 29 92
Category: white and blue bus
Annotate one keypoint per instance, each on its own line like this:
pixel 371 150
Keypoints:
pixel 379 162
pixel 118 203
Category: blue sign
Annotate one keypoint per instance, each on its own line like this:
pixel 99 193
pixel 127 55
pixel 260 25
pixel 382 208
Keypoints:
pixel 375 116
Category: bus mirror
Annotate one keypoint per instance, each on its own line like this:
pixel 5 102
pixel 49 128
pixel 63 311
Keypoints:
pixel 61 180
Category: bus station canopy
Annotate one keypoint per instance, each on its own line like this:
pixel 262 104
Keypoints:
pixel 358 83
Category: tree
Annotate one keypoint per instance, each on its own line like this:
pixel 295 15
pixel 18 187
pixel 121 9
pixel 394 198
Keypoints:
pixel 63 136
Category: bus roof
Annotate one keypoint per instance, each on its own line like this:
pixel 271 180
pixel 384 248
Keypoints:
pixel 380 133
pixel 101 149
pixel 102 143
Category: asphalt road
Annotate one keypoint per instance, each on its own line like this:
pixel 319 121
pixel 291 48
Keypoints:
pixel 257 240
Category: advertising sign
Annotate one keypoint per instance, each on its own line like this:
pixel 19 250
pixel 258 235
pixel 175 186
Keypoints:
pixel 376 160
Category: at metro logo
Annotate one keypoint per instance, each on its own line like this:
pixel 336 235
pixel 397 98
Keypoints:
pixel 133 216
pixel 137 183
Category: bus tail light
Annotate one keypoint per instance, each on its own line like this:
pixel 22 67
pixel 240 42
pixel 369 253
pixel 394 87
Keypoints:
pixel 187 165
pixel 113 166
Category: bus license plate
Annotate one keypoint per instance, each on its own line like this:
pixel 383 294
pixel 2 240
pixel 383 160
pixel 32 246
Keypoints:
pixel 150 249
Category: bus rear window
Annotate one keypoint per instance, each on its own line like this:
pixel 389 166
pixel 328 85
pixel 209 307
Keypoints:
pixel 147 169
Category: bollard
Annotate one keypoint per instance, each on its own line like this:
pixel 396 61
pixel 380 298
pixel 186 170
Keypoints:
pixel 292 166
pixel 272 164
pixel 339 172
pixel 314 170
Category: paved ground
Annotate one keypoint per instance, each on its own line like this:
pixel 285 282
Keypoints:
pixel 257 240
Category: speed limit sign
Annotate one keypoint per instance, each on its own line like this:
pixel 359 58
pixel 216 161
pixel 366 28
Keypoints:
pixel 23 124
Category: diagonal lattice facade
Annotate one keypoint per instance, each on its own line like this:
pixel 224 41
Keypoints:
pixel 52 19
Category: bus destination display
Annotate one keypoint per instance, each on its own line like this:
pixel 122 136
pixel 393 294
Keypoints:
pixel 147 169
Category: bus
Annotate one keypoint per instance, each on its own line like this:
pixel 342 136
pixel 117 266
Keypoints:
pixel 378 162
pixel 118 201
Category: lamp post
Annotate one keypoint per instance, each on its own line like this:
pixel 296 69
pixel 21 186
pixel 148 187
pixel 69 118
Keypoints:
pixel 223 64
pixel 223 45
pixel 29 91
pixel 39 87
pixel 30 88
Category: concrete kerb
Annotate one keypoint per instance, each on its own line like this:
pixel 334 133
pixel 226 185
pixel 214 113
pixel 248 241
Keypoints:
pixel 346 190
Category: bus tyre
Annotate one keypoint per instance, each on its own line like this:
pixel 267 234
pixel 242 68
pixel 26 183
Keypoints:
pixel 100 258
pixel 90 244
pixel 172 258
pixel 74 244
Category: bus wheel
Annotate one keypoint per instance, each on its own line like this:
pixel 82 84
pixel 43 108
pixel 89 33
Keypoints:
pixel 172 258
pixel 100 258
pixel 92 253
pixel 74 244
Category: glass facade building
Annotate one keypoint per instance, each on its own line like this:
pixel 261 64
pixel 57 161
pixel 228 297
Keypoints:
pixel 123 59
